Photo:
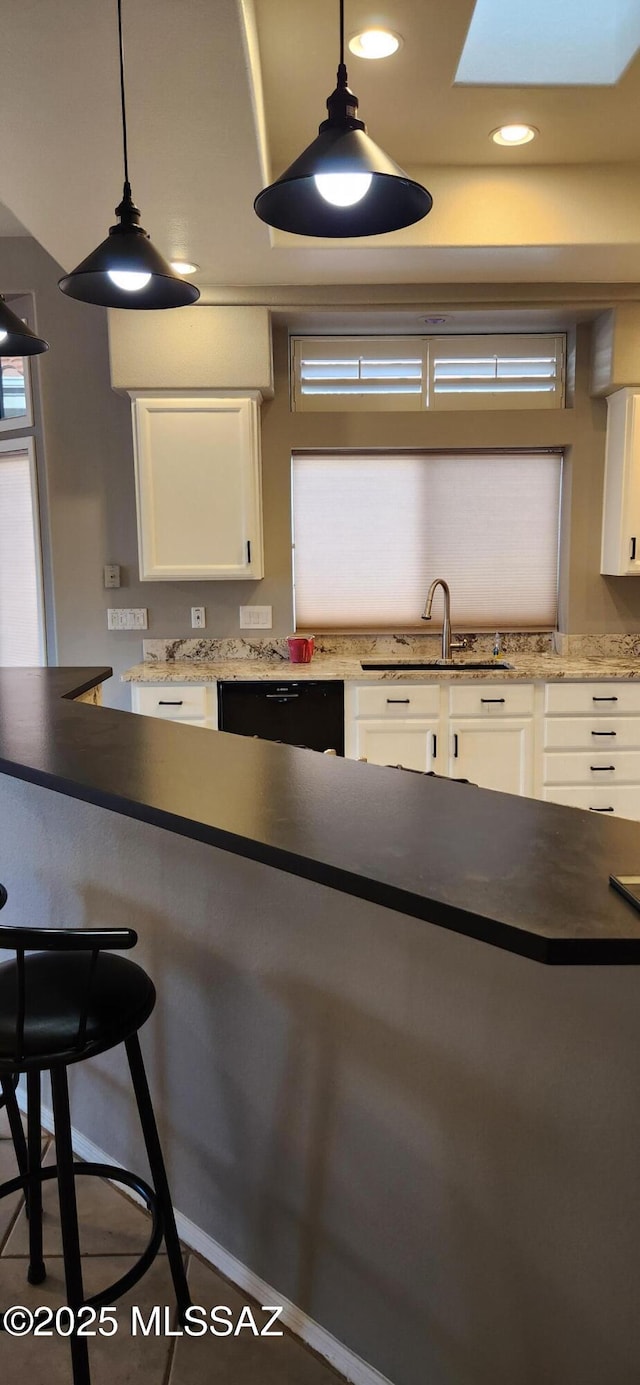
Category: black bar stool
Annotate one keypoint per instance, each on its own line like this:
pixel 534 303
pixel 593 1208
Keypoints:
pixel 64 998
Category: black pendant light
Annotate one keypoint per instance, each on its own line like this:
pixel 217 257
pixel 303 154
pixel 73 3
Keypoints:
pixel 16 339
pixel 343 184
pixel 126 270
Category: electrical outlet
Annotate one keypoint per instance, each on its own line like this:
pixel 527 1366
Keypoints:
pixel 111 575
pixel 126 618
pixel 198 618
pixel 256 617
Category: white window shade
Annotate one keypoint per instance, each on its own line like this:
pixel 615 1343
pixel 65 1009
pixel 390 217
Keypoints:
pixel 371 533
pixel 21 630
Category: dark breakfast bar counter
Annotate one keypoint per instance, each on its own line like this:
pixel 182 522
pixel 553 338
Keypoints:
pixel 424 1147
pixel 522 875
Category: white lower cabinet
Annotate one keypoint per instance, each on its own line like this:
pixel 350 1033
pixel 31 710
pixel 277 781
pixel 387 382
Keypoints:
pixel 623 799
pixel 192 704
pixel 572 743
pixel 495 754
pixel 411 744
pixel 591 741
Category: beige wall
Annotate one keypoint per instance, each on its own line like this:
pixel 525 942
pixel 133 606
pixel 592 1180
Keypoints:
pixel 589 603
pixel 86 466
pixel 87 470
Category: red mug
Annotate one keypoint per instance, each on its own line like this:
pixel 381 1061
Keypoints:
pixel 300 649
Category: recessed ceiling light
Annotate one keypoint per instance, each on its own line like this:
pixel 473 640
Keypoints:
pixel 375 43
pixel 510 135
pixel 184 266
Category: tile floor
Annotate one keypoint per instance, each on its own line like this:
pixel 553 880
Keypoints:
pixel 113 1231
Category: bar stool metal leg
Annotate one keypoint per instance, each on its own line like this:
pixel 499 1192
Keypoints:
pixel 69 1219
pixel 15 1124
pixel 158 1172
pixel 37 1270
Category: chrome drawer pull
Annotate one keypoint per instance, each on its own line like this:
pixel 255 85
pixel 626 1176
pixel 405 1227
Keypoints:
pixel 169 704
pixel 601 769
pixel 602 810
pixel 604 699
pixel 604 733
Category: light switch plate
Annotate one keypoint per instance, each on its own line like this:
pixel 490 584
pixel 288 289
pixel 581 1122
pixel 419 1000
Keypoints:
pixel 256 617
pixel 127 618
pixel 198 617
pixel 112 575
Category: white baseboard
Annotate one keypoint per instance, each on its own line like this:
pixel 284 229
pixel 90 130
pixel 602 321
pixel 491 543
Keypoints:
pixel 346 1362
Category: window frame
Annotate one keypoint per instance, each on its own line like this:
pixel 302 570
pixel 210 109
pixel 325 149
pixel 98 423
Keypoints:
pixel 19 422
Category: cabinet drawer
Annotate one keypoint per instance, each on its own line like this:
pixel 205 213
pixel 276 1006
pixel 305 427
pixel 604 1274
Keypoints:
pixel 605 733
pixel 173 701
pixel 396 700
pixel 600 768
pixel 599 699
pixel 622 801
pixel 491 699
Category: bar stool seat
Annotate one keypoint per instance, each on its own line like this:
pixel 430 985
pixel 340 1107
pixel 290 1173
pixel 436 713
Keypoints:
pixel 65 998
pixel 120 999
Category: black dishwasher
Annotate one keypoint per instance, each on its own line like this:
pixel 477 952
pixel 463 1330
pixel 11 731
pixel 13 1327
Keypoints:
pixel 309 713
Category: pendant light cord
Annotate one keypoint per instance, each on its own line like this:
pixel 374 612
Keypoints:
pixel 342 33
pixel 123 100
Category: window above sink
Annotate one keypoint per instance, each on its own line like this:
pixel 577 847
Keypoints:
pixel 372 530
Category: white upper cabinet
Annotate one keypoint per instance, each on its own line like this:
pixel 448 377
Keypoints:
pixel 621 506
pixel 198 486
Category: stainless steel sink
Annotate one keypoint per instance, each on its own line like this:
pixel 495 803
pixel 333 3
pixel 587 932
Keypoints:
pixel 412 665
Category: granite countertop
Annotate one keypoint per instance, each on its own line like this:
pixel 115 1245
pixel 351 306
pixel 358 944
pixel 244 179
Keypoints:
pixel 526 668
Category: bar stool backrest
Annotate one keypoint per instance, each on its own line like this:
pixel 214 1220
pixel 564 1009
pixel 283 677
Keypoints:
pixel 89 940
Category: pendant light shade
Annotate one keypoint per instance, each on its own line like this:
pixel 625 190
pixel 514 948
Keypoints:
pixel 16 339
pixel 343 184
pixel 126 270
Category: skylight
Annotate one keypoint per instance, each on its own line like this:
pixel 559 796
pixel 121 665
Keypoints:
pixel 571 43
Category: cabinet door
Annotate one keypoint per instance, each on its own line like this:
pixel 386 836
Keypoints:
pixel 493 754
pixel 621 507
pixel 198 488
pixel 412 744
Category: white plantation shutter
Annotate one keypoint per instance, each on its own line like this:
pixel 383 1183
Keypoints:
pixel 371 533
pixel 21 630
pixel 417 373
pixel 340 373
pixel 505 372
